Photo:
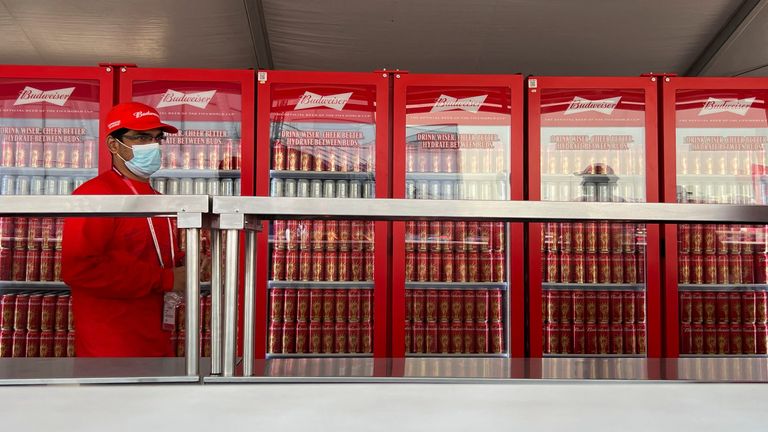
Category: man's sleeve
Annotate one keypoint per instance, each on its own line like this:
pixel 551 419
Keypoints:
pixel 88 262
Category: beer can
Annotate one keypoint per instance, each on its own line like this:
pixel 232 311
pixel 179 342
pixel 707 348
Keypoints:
pixel 457 337
pixel 57 265
pixel 460 273
pixel 710 269
pixel 697 269
pixel 761 307
pixel 302 305
pixel 590 339
pixel 686 338
pixel 629 334
pixel 761 337
pixel 604 268
pixel 697 238
pixel 46 343
pixel 617 268
pixel 603 307
pixel 344 265
pixel 306 159
pixel 7 153
pixel 23 186
pixel 21 157
pixel 747 269
pixel 277 187
pixel 19 265
pixel 495 303
pixel 331 266
pixel 499 265
pixel 604 340
pixel 472 236
pixel 617 307
pixel 748 338
pixel 302 337
pixel 289 338
pixel 640 267
pixel 684 238
pixel 354 299
pixel 604 237
pixel 617 338
pixel 410 235
pixel 354 337
pixel 469 306
pixel 292 265
pixel 447 266
pixel 417 308
pixel 552 301
pixel 497 337
pixel 410 266
pixel 736 339
pixel 697 307
pixel 551 236
pixel 292 160
pixel 566 304
pixel 32 272
pixel 431 338
pixel 8 185
pixel 19 344
pixel 700 338
pixel 289 305
pixel 748 307
pixel 710 234
pixel 366 338
pixel 591 268
pixel 60 344
pixel 628 306
pixel 7 311
pixel 457 306
pixel 486 267
pixel 551 338
pixel 579 306
pixel 686 307
pixel 342 306
pixel 710 307
pixel 553 267
pixel 328 337
pixel 418 337
pixel 21 309
pixel 617 237
pixel 278 264
pixel 590 307
pixel 422 267
pixel 734 269
pixel 34 312
pixel 302 188
pixel 566 264
pixel 722 269
pixel 357 265
pixel 733 308
pixel 723 340
pixel 429 305
pixel 345 234
pixel 460 236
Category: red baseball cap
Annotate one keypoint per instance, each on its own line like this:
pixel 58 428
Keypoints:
pixel 136 116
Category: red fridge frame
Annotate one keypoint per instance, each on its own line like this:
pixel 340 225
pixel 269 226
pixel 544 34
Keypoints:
pixel 653 278
pixel 516 293
pixel 381 273
pixel 669 87
pixel 107 85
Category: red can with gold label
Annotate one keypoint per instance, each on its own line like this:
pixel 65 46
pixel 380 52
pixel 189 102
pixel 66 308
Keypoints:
pixel 747 269
pixel 565 302
pixel 469 338
pixel 444 306
pixel 473 267
pixel 603 237
pixel 418 337
pixel 737 341
pixel 278 156
pixel 302 305
pixel 7 311
pixel 617 237
pixel 617 339
pixel 641 265
pixel 553 268
pixel 710 269
pixel 498 267
pixel 603 307
pixel 279 228
pixel 276 338
pixel 552 303
pixel 723 340
pixel 435 265
pixel 331 266
pixel 486 236
pixel 33 343
pixel 329 336
pixel 46 343
pixel 353 337
pixel 579 306
pixel 342 305
pixel 447 266
pixel 422 235
pixel 604 268
pixel 566 236
pixel 590 339
pixel 697 307
pixel 479 337
pixel 357 235
pixel 469 305
pixel 34 311
pixel 566 339
pixel 629 306
pixel 617 268
pixel 341 335
pixel 366 338
pixel 552 237
pixel 684 238
pixel 482 300
pixel 748 307
pixel 19 265
pixel 710 235
pixel 410 266
pixel 47 312
pixel 684 269
pixel 19 344
pixel 276 298
pixel 305 237
pixel 590 307
pixel 577 237
pixel 495 302
pixel 697 238
pixel 329 305
pixel 345 234
pixel 435 236
pixel 497 236
pixel 761 339
pixel 686 338
pixel 566 265
pixel 591 268
pixel 369 265
pixel 630 268
pixel 579 339
pixel 617 309
pixel 734 269
pixel 497 337
pixel 459 264
pixel 457 338
pixel 748 339
pixel 302 337
pixel 315 337
pixel 710 308
pixel 460 236
pixel 344 263
pixel 317 235
pixel 305 265
pixel 431 305
pixel 291 265
pixel 630 339
pixel 419 298
pixel 315 305
pixel 422 266
pixel 734 307
pixel 457 306
pixel 370 236
pixel 289 305
pixel 629 237
pixel 722 269
pixel 408 337
pixel 686 307
pixel 444 338
pixel 431 338
pixel 366 306
pixel 408 305
pixel 472 236
pixel 289 338
pixel 331 235
pixel 761 307
pixel 761 268
pixel 21 309
pixel 578 268
pixel 552 338
pixel 697 269
pixel 60 344
pixel 702 338
pixel 486 266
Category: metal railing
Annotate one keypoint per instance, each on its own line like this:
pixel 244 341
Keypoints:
pixel 246 213
pixel 189 211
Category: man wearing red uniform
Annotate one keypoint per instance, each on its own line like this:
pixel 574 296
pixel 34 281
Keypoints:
pixel 119 269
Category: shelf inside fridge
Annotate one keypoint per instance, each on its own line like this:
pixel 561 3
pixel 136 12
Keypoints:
pixel 320 355
pixel 717 287
pixel 196 173
pixel 462 355
pixel 496 176
pixel 28 286
pixel 368 285
pixel 321 175
pixel 719 178
pixel 457 285
pixel 595 355
pixel 593 178
pixel 591 287
pixel 43 172
pixel 760 356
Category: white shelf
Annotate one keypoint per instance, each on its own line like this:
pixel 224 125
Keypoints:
pixel 195 173
pixel 497 176
pixel 321 355
pixel 366 285
pixel 457 285
pixel 49 172
pixel 463 355
pixel 591 287
pixel 322 175
pixel 716 287
pixel 31 286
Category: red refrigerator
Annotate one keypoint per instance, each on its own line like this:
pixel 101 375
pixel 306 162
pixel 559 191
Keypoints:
pixel 715 134
pixel 51 127
pixel 322 285
pixel 457 286
pixel 594 286
pixel 213 152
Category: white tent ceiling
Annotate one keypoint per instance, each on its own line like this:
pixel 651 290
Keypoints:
pixel 545 37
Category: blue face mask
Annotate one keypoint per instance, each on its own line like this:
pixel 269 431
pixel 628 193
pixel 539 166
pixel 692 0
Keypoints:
pixel 146 159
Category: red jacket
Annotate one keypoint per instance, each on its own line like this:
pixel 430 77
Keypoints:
pixel 117 282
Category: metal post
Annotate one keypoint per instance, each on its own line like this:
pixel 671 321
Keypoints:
pixel 216 338
pixel 230 302
pixel 248 299
pixel 193 301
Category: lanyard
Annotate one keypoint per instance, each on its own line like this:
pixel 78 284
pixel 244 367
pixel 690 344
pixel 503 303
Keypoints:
pixel 152 227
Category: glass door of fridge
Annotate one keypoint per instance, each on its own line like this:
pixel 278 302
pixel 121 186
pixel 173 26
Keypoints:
pixel 593 148
pixel 720 159
pixel 457 147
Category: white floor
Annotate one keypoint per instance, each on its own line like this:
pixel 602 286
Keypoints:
pixel 534 406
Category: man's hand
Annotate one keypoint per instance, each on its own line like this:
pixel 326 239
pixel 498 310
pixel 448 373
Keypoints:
pixel 180 280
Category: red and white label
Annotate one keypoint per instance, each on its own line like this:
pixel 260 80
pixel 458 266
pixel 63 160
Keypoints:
pixel 733 106
pixel 602 106
pixel 175 98
pixel 448 103
pixel 32 95
pixel 314 100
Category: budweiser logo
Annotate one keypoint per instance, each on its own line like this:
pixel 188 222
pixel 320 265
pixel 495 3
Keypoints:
pixel 603 106
pixel 734 106
pixel 314 100
pixel 175 98
pixel 32 95
pixel 447 103
pixel 140 114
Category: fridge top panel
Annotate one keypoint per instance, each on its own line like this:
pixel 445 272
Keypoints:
pixel 51 98
pixel 200 101
pixel 592 107
pixel 469 105
pixel 721 108
pixel 326 103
